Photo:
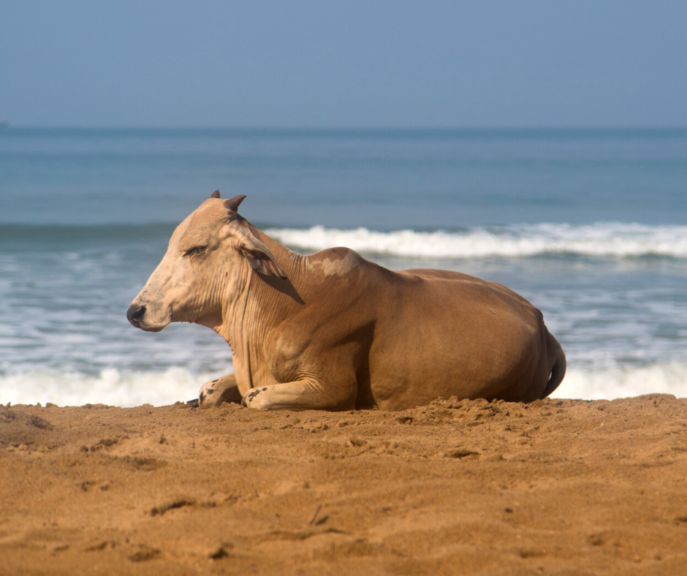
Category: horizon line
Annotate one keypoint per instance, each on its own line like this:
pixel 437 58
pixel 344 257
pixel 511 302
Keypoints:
pixel 9 126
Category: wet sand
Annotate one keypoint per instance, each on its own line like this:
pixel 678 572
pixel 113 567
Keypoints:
pixel 471 487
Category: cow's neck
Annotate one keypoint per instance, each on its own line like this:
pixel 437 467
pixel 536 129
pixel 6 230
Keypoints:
pixel 261 302
pixel 290 262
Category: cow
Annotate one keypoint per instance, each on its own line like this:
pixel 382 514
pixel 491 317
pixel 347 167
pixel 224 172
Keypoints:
pixel 334 331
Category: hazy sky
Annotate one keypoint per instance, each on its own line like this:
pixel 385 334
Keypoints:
pixel 344 63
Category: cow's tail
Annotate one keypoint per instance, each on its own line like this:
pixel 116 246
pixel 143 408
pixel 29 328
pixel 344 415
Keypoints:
pixel 557 371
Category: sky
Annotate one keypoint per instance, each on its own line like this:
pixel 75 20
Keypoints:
pixel 344 63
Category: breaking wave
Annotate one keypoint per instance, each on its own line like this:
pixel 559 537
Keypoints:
pixel 624 382
pixel 110 387
pixel 603 239
pixel 114 388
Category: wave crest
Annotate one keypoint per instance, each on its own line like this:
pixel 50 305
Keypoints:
pixel 603 239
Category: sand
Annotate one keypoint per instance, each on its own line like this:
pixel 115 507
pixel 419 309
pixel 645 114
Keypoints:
pixel 471 487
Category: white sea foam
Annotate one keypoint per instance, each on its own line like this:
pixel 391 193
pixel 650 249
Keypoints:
pixel 624 382
pixel 609 239
pixel 177 384
pixel 110 387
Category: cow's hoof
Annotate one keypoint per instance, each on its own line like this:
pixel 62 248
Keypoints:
pixel 250 398
pixel 207 397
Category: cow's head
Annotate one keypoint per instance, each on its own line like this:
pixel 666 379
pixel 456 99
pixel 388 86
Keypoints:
pixel 209 257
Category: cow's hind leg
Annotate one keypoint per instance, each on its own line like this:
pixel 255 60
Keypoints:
pixel 306 394
pixel 216 392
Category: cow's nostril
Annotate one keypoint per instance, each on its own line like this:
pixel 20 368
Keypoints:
pixel 134 314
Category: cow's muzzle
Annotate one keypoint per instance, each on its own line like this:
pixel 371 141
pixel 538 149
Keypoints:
pixel 135 313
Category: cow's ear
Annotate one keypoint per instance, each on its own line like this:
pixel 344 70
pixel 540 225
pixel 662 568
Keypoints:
pixel 259 257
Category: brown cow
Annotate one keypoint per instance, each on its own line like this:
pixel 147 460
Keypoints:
pixel 333 331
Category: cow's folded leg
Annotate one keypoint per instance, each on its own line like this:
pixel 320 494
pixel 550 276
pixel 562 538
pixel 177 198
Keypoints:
pixel 306 394
pixel 218 391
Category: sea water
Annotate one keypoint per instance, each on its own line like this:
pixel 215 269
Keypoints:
pixel 589 225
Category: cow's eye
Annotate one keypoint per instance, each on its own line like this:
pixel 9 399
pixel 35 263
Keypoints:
pixel 195 251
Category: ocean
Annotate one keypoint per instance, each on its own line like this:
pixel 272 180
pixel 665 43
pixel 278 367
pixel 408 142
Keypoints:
pixel 589 225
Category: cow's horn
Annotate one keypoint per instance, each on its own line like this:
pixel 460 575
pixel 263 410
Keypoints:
pixel 234 203
pixel 215 194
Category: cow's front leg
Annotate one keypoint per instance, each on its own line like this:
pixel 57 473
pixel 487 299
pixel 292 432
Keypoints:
pixel 218 391
pixel 306 394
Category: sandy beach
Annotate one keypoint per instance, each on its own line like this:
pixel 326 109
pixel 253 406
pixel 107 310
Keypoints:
pixel 470 487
